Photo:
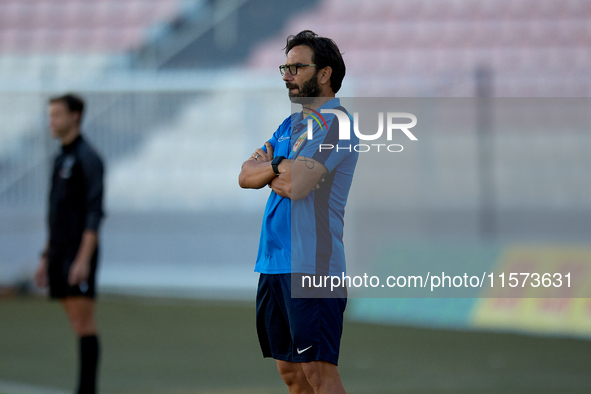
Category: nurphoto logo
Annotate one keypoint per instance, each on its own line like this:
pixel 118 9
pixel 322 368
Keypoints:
pixel 344 120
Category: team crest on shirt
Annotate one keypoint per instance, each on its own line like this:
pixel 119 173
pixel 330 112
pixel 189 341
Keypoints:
pixel 300 141
pixel 66 170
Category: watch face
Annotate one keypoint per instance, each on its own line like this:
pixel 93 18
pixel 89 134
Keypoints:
pixel 275 162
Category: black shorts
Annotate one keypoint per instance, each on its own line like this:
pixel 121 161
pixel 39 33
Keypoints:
pixel 59 263
pixel 297 329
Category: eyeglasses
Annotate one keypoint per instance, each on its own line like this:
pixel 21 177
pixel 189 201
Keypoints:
pixel 293 68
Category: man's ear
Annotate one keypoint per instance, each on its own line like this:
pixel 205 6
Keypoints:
pixel 78 117
pixel 324 75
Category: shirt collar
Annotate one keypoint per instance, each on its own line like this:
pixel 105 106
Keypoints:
pixel 68 148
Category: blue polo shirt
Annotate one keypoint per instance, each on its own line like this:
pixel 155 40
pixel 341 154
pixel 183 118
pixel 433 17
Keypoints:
pixel 314 224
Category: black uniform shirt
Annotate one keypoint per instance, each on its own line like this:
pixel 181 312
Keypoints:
pixel 76 196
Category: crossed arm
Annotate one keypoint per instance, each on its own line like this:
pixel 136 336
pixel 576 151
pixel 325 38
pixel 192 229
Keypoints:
pixel 296 179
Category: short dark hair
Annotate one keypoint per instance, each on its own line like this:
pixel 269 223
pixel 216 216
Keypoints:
pixel 74 102
pixel 326 54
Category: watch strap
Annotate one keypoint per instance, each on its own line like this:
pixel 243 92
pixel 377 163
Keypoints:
pixel 275 163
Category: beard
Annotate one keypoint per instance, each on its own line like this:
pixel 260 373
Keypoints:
pixel 307 93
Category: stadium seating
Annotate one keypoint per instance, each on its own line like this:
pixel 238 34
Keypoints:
pixel 72 40
pixel 405 39
pixel 193 162
pixel 57 27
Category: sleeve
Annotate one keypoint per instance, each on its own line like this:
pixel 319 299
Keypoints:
pixel 93 170
pixel 326 147
pixel 273 140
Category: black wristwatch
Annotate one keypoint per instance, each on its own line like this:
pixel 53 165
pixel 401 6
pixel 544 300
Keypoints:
pixel 275 163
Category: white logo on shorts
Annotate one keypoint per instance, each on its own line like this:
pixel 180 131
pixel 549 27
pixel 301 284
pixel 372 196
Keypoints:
pixel 303 350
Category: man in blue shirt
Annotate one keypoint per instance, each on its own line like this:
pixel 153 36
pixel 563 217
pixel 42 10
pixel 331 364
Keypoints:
pixel 302 230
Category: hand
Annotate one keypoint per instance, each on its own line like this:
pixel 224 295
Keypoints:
pixel 285 166
pixel 79 272
pixel 318 185
pixel 41 278
pixel 261 155
pixel 281 184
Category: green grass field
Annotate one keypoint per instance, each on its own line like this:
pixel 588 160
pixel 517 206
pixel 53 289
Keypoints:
pixel 170 346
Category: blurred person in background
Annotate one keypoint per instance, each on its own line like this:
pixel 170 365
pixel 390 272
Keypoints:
pixel 69 260
pixel 309 191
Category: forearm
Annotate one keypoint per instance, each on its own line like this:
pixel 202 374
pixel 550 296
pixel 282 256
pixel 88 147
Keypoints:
pixel 305 176
pixel 87 245
pixel 256 174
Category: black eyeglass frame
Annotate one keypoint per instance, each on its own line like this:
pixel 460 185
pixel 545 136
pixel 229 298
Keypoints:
pixel 284 67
